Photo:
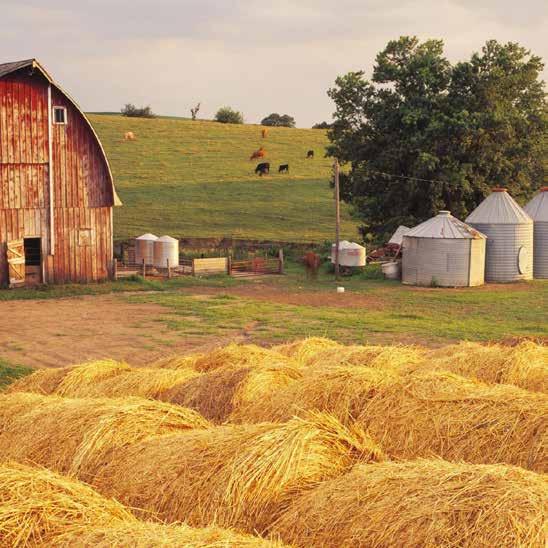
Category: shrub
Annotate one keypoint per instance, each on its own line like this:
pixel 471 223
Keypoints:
pixel 279 120
pixel 135 112
pixel 322 125
pixel 227 115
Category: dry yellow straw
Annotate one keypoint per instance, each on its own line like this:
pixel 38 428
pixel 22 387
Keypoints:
pixel 304 350
pixel 422 503
pixel 77 435
pixel 524 365
pixel 241 476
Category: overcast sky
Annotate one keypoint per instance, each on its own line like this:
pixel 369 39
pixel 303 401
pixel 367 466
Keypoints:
pixel 258 56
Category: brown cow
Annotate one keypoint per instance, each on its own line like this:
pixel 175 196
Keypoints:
pixel 311 263
pixel 261 153
pixel 129 136
pixel 264 133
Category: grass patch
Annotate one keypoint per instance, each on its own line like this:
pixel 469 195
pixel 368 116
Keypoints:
pixel 188 178
pixel 10 373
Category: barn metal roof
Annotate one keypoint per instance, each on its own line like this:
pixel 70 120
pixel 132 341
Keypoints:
pixel 444 225
pixel 498 208
pixel 537 208
pixel 8 68
pixel 397 237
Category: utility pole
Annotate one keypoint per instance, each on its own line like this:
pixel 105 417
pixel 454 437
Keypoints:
pixel 337 217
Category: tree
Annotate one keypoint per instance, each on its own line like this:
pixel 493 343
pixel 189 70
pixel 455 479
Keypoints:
pixel 277 120
pixel 194 111
pixel 227 115
pixel 322 125
pixel 135 112
pixel 425 135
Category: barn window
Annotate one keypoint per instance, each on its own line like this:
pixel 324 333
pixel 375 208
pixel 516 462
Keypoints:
pixel 59 115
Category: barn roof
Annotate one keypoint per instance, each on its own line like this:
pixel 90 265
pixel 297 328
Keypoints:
pixel 8 68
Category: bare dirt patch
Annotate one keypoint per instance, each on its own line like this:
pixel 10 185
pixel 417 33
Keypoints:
pixel 59 332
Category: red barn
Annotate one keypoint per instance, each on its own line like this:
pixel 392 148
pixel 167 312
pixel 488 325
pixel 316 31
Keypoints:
pixel 56 187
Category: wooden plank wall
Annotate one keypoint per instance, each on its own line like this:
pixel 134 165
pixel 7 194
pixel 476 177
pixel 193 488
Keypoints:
pixel 82 189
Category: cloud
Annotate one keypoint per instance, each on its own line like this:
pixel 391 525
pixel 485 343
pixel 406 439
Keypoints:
pixel 259 57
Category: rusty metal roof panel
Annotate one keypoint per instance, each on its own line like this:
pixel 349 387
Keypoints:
pixel 444 225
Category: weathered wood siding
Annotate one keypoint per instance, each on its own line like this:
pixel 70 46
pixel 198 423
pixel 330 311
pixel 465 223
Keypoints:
pixel 82 191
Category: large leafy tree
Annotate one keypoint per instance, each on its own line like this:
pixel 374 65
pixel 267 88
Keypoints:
pixel 278 120
pixel 424 135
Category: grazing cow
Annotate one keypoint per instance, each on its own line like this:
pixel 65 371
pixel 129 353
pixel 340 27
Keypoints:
pixel 261 153
pixel 310 154
pixel 311 263
pixel 263 169
pixel 264 133
pixel 129 136
pixel 284 168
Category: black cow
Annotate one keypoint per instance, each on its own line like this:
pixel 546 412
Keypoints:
pixel 284 168
pixel 262 169
pixel 310 154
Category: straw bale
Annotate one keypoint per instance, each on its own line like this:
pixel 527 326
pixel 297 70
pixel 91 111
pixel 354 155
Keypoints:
pixel 176 362
pixel 442 414
pixel 217 393
pixel 524 365
pixel 240 476
pixel 148 535
pixel 77 435
pixel 42 381
pixel 341 390
pixel 36 505
pixel 305 349
pixel 422 503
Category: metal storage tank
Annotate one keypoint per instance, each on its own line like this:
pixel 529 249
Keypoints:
pixel 166 249
pixel 537 209
pixel 144 248
pixel 509 231
pixel 443 251
pixel 350 254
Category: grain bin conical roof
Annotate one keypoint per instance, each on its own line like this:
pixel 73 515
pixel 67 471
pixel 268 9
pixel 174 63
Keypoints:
pixel 444 225
pixel 499 208
pixel 537 208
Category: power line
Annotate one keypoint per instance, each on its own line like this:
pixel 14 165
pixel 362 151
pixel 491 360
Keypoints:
pixel 410 178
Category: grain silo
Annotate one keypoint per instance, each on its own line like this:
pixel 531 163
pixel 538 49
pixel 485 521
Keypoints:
pixel 443 251
pixel 144 248
pixel 537 209
pixel 166 252
pixel 509 231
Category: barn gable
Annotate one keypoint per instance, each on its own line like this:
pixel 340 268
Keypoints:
pixel 56 187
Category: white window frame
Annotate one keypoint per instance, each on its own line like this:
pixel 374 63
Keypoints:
pixel 64 109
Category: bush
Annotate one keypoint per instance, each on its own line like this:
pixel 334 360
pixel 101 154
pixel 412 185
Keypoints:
pixel 227 115
pixel 322 125
pixel 277 120
pixel 134 112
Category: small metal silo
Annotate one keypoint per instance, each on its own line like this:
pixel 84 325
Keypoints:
pixel 509 231
pixel 537 209
pixel 166 252
pixel 144 248
pixel 443 251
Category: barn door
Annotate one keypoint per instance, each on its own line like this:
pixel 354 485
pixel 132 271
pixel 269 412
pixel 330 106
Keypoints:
pixel 16 262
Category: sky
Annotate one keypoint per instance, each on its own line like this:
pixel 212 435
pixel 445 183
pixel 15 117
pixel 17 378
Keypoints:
pixel 255 56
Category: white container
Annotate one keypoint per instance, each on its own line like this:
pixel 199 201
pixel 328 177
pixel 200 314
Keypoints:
pixel 340 289
pixel 166 252
pixel 144 249
pixel 350 254
pixel 391 270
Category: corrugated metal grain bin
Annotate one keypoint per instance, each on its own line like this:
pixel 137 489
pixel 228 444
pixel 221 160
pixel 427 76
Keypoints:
pixel 166 249
pixel 509 231
pixel 443 251
pixel 537 209
pixel 144 248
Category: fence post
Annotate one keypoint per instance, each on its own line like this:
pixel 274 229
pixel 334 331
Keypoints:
pixel 281 259
pixel 144 269
pixel 229 265
pixel 168 269
pixel 115 269
pixel 193 269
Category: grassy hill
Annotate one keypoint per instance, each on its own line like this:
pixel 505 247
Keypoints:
pixel 195 179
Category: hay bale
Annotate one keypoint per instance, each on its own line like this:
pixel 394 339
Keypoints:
pixel 524 365
pixel 219 392
pixel 77 435
pixel 341 391
pixel 240 476
pixel 442 414
pixel 304 350
pixel 148 535
pixel 421 503
pixel 42 381
pixel 37 505
pixel 176 362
